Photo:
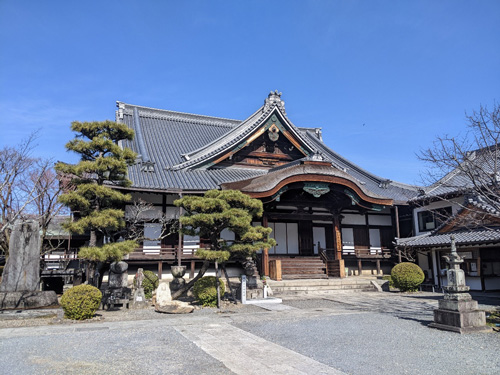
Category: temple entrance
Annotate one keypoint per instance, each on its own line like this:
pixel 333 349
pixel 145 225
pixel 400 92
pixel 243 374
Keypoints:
pixel 306 241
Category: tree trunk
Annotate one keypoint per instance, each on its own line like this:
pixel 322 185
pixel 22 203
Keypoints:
pixel 229 284
pixel 93 239
pixel 91 273
pixel 189 285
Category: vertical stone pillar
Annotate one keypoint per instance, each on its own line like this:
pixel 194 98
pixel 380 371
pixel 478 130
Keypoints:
pixel 265 252
pixel 22 271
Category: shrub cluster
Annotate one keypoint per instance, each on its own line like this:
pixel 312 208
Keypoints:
pixel 81 302
pixel 407 276
pixel 150 283
pixel 205 290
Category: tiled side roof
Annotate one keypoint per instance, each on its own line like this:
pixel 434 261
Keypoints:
pixel 462 238
pixel 479 164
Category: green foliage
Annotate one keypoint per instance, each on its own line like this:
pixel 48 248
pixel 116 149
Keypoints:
pixel 81 302
pixel 103 163
pixel 111 252
pixel 205 290
pixel 407 277
pixel 150 283
pixel 208 215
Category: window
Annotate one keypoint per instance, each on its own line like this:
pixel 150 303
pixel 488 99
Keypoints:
pixel 152 234
pixel 429 220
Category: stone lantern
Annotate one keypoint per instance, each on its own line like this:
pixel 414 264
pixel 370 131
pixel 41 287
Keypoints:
pixel 457 311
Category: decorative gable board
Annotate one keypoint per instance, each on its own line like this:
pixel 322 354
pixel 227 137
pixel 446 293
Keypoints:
pixel 269 146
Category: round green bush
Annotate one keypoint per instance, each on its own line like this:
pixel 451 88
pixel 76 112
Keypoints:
pixel 81 302
pixel 206 292
pixel 150 283
pixel 407 277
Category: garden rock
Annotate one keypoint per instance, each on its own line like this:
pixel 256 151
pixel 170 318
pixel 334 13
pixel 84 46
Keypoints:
pixel 164 303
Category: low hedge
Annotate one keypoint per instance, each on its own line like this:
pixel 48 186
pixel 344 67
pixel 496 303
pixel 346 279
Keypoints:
pixel 407 277
pixel 205 290
pixel 81 302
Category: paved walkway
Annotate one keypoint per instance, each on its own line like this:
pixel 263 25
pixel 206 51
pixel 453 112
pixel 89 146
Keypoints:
pixel 247 354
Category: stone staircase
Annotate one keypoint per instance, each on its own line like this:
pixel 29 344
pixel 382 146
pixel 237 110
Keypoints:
pixel 319 288
pixel 302 268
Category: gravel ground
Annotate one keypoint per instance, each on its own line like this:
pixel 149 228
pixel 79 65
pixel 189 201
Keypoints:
pixel 35 318
pixel 387 335
pixel 357 333
pixel 153 350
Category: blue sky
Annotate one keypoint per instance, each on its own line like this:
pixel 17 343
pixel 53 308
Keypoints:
pixel 382 78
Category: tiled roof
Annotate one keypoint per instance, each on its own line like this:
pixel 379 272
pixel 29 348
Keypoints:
pixel 176 142
pixel 479 236
pixel 477 170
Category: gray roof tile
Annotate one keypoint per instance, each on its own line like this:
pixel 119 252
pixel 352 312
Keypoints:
pixel 168 135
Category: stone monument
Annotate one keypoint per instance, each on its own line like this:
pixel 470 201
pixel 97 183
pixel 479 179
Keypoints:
pixel 165 304
pixel 118 292
pixel 458 312
pixel 139 297
pixel 21 275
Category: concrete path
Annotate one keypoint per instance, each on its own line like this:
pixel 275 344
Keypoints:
pixel 247 354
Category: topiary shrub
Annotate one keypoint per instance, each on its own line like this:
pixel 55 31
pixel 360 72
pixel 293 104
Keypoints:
pixel 150 283
pixel 81 302
pixel 206 292
pixel 407 277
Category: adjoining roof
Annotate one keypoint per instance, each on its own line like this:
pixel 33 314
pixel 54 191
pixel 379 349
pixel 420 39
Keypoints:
pixel 179 145
pixel 462 225
pixel 466 237
pixel 477 169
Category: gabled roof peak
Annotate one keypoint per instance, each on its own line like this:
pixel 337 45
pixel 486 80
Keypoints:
pixel 274 99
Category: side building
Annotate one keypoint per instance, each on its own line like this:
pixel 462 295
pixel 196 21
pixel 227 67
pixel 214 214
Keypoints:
pixel 329 216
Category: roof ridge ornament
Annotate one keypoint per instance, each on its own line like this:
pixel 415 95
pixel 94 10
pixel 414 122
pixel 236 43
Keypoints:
pixel 274 99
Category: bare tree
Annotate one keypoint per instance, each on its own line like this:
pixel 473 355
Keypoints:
pixel 28 189
pixel 137 215
pixel 469 165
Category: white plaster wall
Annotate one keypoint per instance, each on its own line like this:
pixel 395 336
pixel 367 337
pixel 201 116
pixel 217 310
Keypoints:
pixel 454 203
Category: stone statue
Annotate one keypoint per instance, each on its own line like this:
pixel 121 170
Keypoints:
pixel 139 278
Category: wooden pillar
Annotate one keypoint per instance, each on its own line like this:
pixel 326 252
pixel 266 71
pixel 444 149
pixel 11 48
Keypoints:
pixel 191 271
pixel 360 267
pixel 265 252
pixel 337 237
pixel 378 266
pixel 160 269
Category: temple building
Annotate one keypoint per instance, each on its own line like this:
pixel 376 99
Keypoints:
pixel 329 216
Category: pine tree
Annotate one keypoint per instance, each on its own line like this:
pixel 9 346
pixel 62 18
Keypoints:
pixel 90 195
pixel 208 215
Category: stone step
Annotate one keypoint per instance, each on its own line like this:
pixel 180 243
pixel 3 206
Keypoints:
pixel 319 287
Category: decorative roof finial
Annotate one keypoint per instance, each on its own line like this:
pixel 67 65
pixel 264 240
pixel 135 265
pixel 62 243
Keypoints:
pixel 274 99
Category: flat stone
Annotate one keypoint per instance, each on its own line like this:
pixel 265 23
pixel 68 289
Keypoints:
pixel 174 307
pixel 28 300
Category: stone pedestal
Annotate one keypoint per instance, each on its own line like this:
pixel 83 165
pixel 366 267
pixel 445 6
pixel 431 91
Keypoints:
pixel 459 313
